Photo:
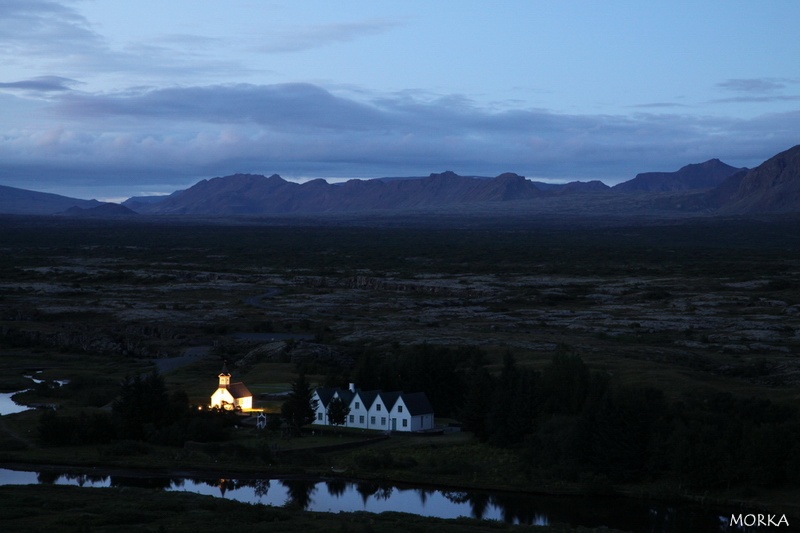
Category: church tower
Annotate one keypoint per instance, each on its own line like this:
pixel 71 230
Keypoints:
pixel 224 376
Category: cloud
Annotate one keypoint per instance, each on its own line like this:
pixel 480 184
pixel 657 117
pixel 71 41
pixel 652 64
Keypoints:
pixel 284 107
pixel 41 84
pixel 757 99
pixel 657 105
pixel 140 137
pixel 43 27
pixel 315 36
pixel 753 85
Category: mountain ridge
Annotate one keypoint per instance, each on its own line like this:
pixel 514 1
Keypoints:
pixel 712 187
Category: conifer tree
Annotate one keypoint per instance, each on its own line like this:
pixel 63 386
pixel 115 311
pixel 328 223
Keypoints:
pixel 300 408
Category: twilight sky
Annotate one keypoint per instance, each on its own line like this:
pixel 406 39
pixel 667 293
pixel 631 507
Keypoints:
pixel 109 99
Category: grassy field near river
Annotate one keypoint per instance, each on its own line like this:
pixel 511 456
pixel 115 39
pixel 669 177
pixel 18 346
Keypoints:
pixel 691 308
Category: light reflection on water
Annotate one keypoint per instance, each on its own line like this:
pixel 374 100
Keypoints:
pixel 330 496
pixel 339 495
pixel 8 406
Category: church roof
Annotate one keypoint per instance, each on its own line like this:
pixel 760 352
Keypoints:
pixel 238 390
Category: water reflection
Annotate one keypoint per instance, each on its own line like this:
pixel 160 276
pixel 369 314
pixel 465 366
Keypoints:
pixel 337 495
pixel 298 492
pixel 8 406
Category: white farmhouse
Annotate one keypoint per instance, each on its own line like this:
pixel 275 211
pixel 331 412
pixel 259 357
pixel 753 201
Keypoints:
pixel 378 410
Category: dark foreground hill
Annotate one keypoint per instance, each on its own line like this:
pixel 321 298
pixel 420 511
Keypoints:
pixel 16 201
pixel 691 177
pixel 101 211
pixel 772 187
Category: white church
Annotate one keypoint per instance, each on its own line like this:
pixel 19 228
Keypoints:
pixel 231 396
pixel 378 410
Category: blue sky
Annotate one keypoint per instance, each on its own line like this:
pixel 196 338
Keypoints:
pixel 110 99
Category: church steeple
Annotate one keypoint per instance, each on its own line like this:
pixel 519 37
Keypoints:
pixel 224 376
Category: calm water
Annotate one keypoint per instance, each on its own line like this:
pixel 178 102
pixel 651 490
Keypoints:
pixel 8 406
pixel 337 495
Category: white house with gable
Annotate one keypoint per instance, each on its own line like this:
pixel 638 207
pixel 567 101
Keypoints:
pixel 378 410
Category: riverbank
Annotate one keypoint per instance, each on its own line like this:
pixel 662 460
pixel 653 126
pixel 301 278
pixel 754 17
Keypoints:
pixel 119 510
pixel 334 494
pixel 456 462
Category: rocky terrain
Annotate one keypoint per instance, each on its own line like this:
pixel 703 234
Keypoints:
pixel 747 327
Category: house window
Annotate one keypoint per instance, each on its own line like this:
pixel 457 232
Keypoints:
pixel 378 408
pixel 383 420
pixel 319 416
pixel 352 418
pixel 372 420
pixel 361 419
pixel 358 405
pixel 399 408
pixel 405 423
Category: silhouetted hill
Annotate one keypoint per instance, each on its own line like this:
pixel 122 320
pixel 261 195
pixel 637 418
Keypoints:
pixel 103 210
pixel 691 177
pixel 248 194
pixel 771 187
pixel 706 188
pixel 141 202
pixel 24 202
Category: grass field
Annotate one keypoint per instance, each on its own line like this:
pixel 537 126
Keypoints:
pixel 687 307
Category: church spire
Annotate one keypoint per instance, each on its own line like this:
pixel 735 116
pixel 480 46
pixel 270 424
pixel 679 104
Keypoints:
pixel 224 376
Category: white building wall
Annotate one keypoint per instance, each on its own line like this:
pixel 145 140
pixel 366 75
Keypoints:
pixel 320 410
pixel 378 415
pixel 400 414
pixel 359 413
pixel 421 422
pixel 388 418
pixel 245 403
pixel 220 396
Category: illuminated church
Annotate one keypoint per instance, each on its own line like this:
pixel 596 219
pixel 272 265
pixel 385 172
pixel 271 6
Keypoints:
pixel 231 396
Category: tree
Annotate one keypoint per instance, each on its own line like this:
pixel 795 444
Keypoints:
pixel 143 403
pixel 300 409
pixel 337 411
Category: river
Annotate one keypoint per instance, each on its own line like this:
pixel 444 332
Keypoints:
pixel 342 495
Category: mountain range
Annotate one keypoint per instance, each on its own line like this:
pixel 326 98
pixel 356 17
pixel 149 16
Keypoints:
pixel 712 187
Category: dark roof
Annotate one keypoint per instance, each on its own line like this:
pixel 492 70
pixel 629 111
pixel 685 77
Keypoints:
pixel 368 397
pixel 390 398
pixel 417 403
pixel 325 395
pixel 345 395
pixel 224 371
pixel 238 390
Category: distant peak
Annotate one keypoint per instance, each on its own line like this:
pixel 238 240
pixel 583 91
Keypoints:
pixel 510 176
pixel 445 174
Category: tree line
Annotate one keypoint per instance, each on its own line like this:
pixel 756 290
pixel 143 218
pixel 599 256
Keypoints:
pixel 144 410
pixel 569 422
